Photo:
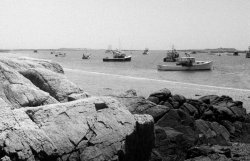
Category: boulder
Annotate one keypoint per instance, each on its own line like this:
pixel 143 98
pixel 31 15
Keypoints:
pixel 209 99
pixel 24 63
pixel 57 85
pixel 162 94
pixel 179 98
pixel 212 133
pixel 140 143
pixel 140 105
pixel 19 91
pixel 190 109
pixel 96 128
pixel 175 134
pixel 199 105
pixel 169 144
pixel 157 112
pixel 154 99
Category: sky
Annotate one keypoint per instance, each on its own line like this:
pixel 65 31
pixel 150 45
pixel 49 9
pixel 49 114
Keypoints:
pixel 125 24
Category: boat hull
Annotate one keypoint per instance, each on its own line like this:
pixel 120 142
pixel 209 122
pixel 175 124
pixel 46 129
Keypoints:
pixel 197 66
pixel 127 58
pixel 248 55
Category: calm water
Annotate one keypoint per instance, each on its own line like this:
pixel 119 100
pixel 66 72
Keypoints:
pixel 229 71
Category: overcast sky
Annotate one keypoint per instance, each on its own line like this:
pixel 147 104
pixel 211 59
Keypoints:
pixel 156 24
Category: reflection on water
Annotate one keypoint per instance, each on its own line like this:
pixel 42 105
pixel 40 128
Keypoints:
pixel 229 71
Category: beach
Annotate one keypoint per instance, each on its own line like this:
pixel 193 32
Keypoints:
pixel 98 78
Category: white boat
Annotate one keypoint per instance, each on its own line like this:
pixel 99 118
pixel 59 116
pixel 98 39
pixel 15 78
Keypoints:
pixel 187 64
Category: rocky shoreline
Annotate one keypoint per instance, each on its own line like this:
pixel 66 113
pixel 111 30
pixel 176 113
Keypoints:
pixel 44 116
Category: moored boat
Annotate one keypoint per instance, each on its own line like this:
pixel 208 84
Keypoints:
pixel 126 58
pixel 187 64
pixel 60 54
pixel 248 53
pixel 146 51
pixel 118 56
pixel 172 56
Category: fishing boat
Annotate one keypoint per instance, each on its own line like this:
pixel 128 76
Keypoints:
pixel 172 56
pixel 146 51
pixel 86 55
pixel 248 53
pixel 118 56
pixel 60 54
pixel 187 64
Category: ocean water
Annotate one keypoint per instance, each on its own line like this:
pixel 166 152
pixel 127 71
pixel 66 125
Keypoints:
pixel 228 71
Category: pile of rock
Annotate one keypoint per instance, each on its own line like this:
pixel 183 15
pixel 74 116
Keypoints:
pixel 45 117
pixel 190 128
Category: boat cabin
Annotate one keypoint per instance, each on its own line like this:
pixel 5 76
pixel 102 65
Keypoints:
pixel 186 61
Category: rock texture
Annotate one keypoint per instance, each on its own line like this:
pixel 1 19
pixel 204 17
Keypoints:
pixel 44 116
pixel 194 129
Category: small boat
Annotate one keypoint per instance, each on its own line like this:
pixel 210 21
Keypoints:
pixel 187 64
pixel 248 53
pixel 172 56
pixel 60 54
pixel 126 58
pixel 146 51
pixel 86 55
pixel 118 56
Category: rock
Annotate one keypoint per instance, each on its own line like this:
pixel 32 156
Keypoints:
pixel 179 98
pixel 162 94
pixel 170 144
pixel 220 131
pixel 229 126
pixel 18 91
pixel 211 157
pixel 154 99
pixel 199 105
pixel 168 105
pixel 212 133
pixel 139 105
pixel 178 127
pixel 157 111
pixel 208 115
pixel 190 109
pixel 239 112
pixel 129 93
pixel 197 151
pixel 142 136
pixel 209 99
pixel 77 96
pixel 24 63
pixel 136 105
pixel 174 103
pixel 57 85
pixel 77 130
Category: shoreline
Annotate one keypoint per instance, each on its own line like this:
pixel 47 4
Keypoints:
pixel 98 83
pixel 105 84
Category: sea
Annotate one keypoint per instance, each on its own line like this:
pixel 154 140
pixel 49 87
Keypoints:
pixel 228 70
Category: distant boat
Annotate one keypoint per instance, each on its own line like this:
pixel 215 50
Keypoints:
pixel 248 53
pixel 146 51
pixel 118 56
pixel 172 56
pixel 193 52
pixel 86 55
pixel 60 54
pixel 187 64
